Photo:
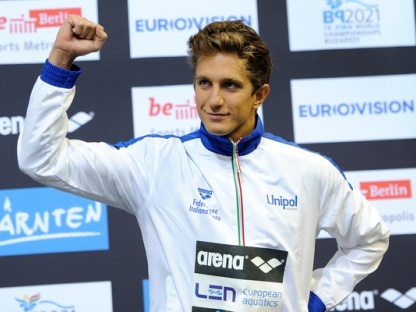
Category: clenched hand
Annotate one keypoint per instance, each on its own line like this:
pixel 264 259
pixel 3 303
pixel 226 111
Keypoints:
pixel 77 36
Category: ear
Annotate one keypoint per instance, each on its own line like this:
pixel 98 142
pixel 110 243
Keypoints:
pixel 260 95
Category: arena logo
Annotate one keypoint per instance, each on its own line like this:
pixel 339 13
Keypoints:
pixel 403 301
pixel 78 120
pixel 266 266
pixel 14 125
pixel 365 300
pixel 44 220
pixel 218 260
pixel 11 125
pixel 358 301
pixel 235 262
pixel 205 194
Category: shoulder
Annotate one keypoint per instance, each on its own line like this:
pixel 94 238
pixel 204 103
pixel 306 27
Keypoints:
pixel 300 157
pixel 279 145
pixel 156 140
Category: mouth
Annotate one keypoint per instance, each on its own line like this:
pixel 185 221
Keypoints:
pixel 217 116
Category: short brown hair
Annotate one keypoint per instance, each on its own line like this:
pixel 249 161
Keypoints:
pixel 233 37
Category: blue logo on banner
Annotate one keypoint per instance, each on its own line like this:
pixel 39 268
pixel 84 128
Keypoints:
pixel 146 295
pixel 334 4
pixel 30 303
pixel 184 23
pixel 45 220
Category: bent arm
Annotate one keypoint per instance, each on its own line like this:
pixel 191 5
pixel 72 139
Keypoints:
pixel 362 238
pixel 93 170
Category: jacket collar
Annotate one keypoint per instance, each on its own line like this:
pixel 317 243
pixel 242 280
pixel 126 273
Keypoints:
pixel 223 145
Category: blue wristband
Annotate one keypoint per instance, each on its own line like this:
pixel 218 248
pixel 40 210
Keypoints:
pixel 60 77
pixel 315 303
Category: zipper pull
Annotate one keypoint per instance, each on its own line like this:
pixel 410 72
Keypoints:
pixel 236 157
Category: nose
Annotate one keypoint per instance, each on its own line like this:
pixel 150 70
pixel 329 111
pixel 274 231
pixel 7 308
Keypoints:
pixel 216 98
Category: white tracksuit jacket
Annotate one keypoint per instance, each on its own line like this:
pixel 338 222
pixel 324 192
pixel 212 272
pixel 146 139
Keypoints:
pixel 262 192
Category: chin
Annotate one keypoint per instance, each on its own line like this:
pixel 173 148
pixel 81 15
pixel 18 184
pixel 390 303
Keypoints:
pixel 216 132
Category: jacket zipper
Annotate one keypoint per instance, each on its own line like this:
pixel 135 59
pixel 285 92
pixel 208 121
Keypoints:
pixel 235 159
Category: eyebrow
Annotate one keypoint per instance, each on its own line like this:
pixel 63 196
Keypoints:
pixel 236 81
pixel 201 77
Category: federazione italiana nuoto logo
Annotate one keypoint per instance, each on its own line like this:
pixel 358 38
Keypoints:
pixel 30 303
pixel 45 220
pixel 71 297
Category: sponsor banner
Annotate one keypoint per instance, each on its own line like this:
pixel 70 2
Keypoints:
pixel 392 193
pixel 161 28
pixel 351 109
pixel 45 220
pixel 13 125
pixel 146 295
pixel 165 110
pixel 394 300
pixel 350 24
pixel 238 278
pixel 76 297
pixel 28 30
pixel 401 300
pixel 357 301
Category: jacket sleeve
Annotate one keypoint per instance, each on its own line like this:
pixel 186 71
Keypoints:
pixel 361 235
pixel 93 170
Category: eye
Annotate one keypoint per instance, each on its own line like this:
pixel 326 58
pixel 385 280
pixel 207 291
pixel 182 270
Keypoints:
pixel 231 85
pixel 203 83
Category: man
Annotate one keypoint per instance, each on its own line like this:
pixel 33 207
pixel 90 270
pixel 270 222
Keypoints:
pixel 238 230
